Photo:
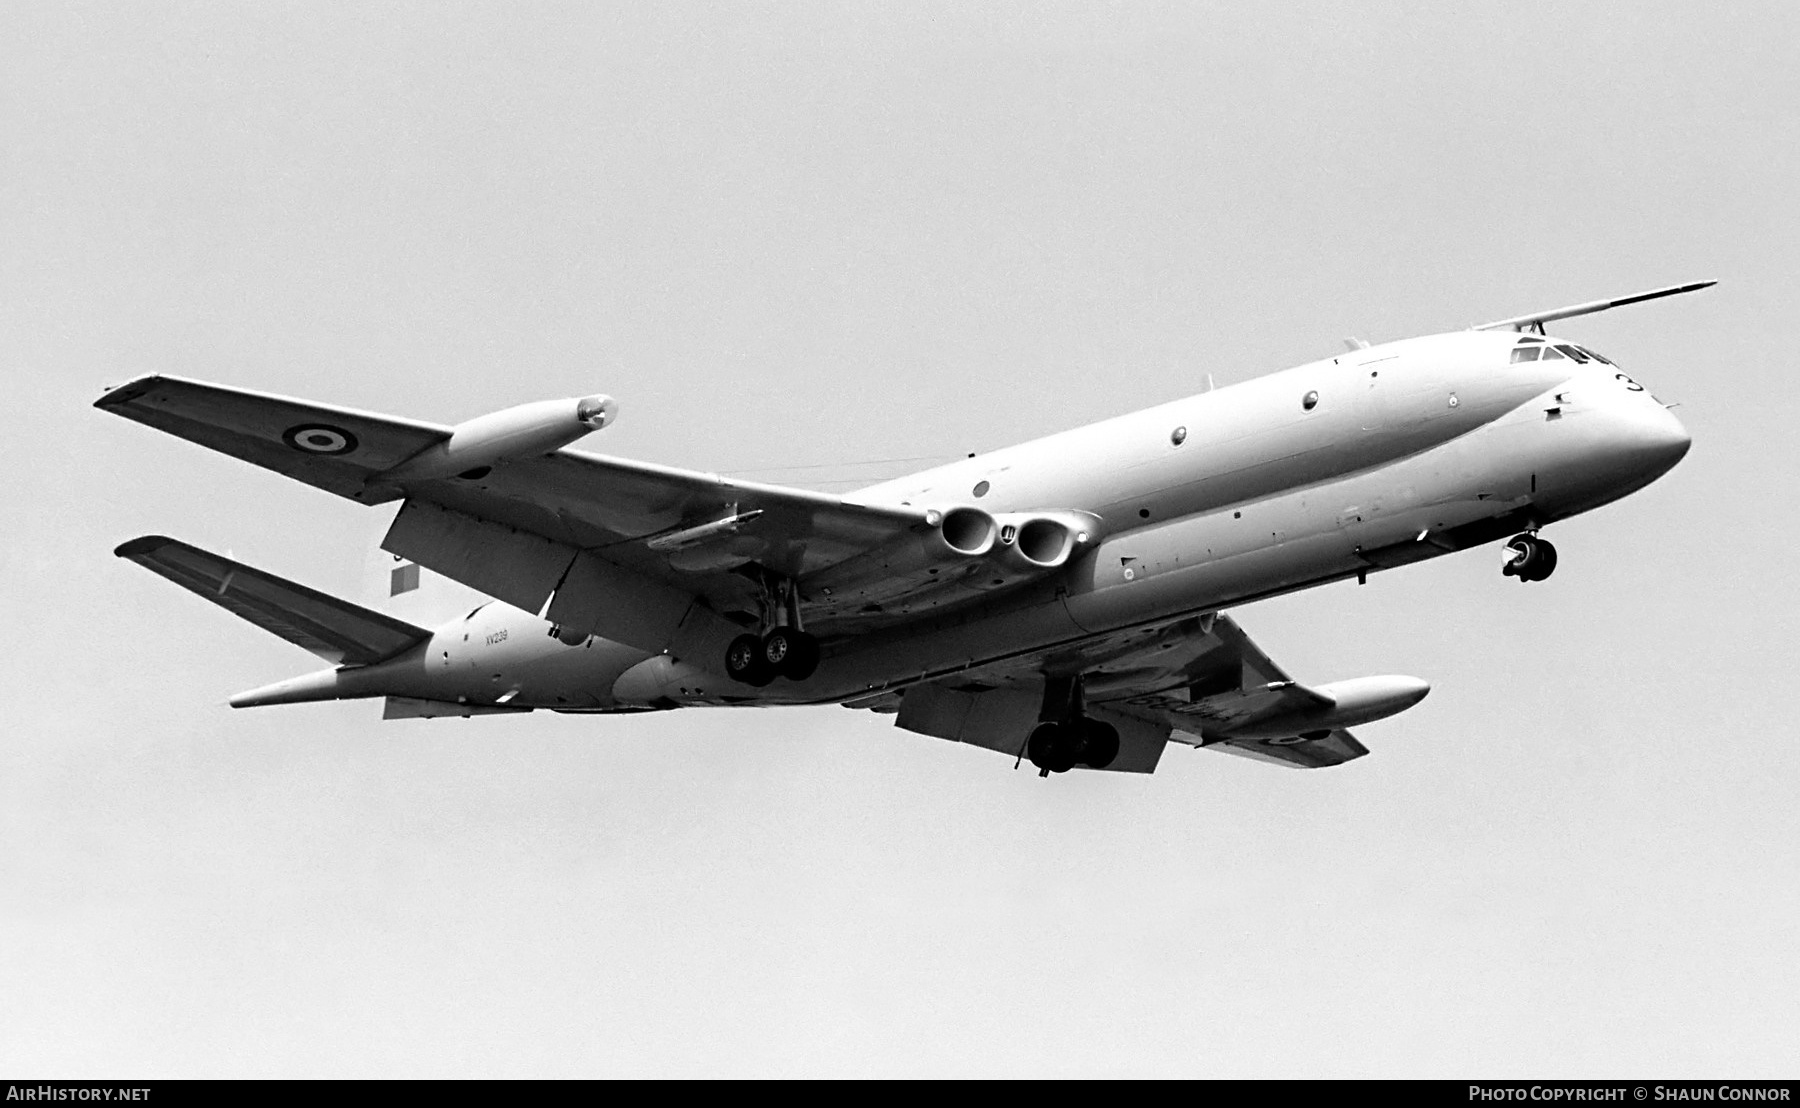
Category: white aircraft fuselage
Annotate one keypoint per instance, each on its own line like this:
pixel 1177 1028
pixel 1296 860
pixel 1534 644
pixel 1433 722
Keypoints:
pixel 1375 458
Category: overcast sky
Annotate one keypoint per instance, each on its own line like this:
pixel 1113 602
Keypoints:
pixel 816 235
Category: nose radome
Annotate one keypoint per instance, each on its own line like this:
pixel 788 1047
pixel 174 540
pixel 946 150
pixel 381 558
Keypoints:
pixel 1645 439
pixel 1663 440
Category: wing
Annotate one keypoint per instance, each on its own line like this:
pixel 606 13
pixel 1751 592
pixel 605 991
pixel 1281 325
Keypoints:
pixel 335 449
pixel 1197 680
pixel 336 630
pixel 514 529
pixel 1215 684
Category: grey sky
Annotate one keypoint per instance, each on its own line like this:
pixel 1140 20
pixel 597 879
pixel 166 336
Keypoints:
pixel 806 235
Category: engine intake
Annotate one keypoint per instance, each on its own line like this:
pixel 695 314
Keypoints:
pixel 968 531
pixel 1033 542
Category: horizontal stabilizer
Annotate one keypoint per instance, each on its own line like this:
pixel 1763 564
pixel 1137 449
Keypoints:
pixel 336 630
pixel 1536 320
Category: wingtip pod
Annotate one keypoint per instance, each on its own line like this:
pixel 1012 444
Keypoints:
pixel 1367 699
pixel 1342 704
pixel 528 430
pixel 596 412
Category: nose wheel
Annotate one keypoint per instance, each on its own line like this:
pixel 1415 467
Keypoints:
pixel 1528 558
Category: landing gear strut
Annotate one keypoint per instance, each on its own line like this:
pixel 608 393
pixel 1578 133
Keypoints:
pixel 1067 737
pixel 787 650
pixel 1529 558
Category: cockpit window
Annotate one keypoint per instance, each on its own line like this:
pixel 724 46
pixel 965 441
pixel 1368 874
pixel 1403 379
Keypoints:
pixel 1551 353
pixel 1596 355
pixel 1573 352
pixel 1525 353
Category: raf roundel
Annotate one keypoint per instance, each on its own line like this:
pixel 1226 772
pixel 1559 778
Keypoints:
pixel 319 438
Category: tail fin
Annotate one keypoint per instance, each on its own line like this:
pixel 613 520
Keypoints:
pixel 336 630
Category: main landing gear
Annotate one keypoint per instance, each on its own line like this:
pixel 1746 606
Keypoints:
pixel 1060 747
pixel 785 651
pixel 1067 737
pixel 1529 558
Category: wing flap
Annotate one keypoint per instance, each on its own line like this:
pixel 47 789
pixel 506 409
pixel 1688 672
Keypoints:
pixel 336 630
pixel 1001 720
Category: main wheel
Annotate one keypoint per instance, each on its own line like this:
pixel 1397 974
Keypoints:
pixel 1051 747
pixel 793 654
pixel 745 661
pixel 1099 743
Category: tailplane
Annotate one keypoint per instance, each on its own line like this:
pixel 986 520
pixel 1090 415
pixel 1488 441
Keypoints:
pixel 336 630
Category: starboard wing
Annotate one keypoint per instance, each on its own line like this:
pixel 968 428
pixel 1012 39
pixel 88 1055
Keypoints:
pixel 1199 680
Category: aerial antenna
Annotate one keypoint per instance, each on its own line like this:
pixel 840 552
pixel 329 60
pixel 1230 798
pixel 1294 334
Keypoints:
pixel 1535 321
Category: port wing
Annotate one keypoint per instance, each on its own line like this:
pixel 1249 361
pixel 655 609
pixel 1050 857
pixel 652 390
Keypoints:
pixel 653 556
pixel 514 528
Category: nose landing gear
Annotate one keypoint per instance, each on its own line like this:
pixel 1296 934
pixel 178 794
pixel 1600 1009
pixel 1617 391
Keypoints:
pixel 1529 558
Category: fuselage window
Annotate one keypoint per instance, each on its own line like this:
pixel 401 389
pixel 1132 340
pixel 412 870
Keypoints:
pixel 1551 353
pixel 1525 353
pixel 1572 352
pixel 1310 400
